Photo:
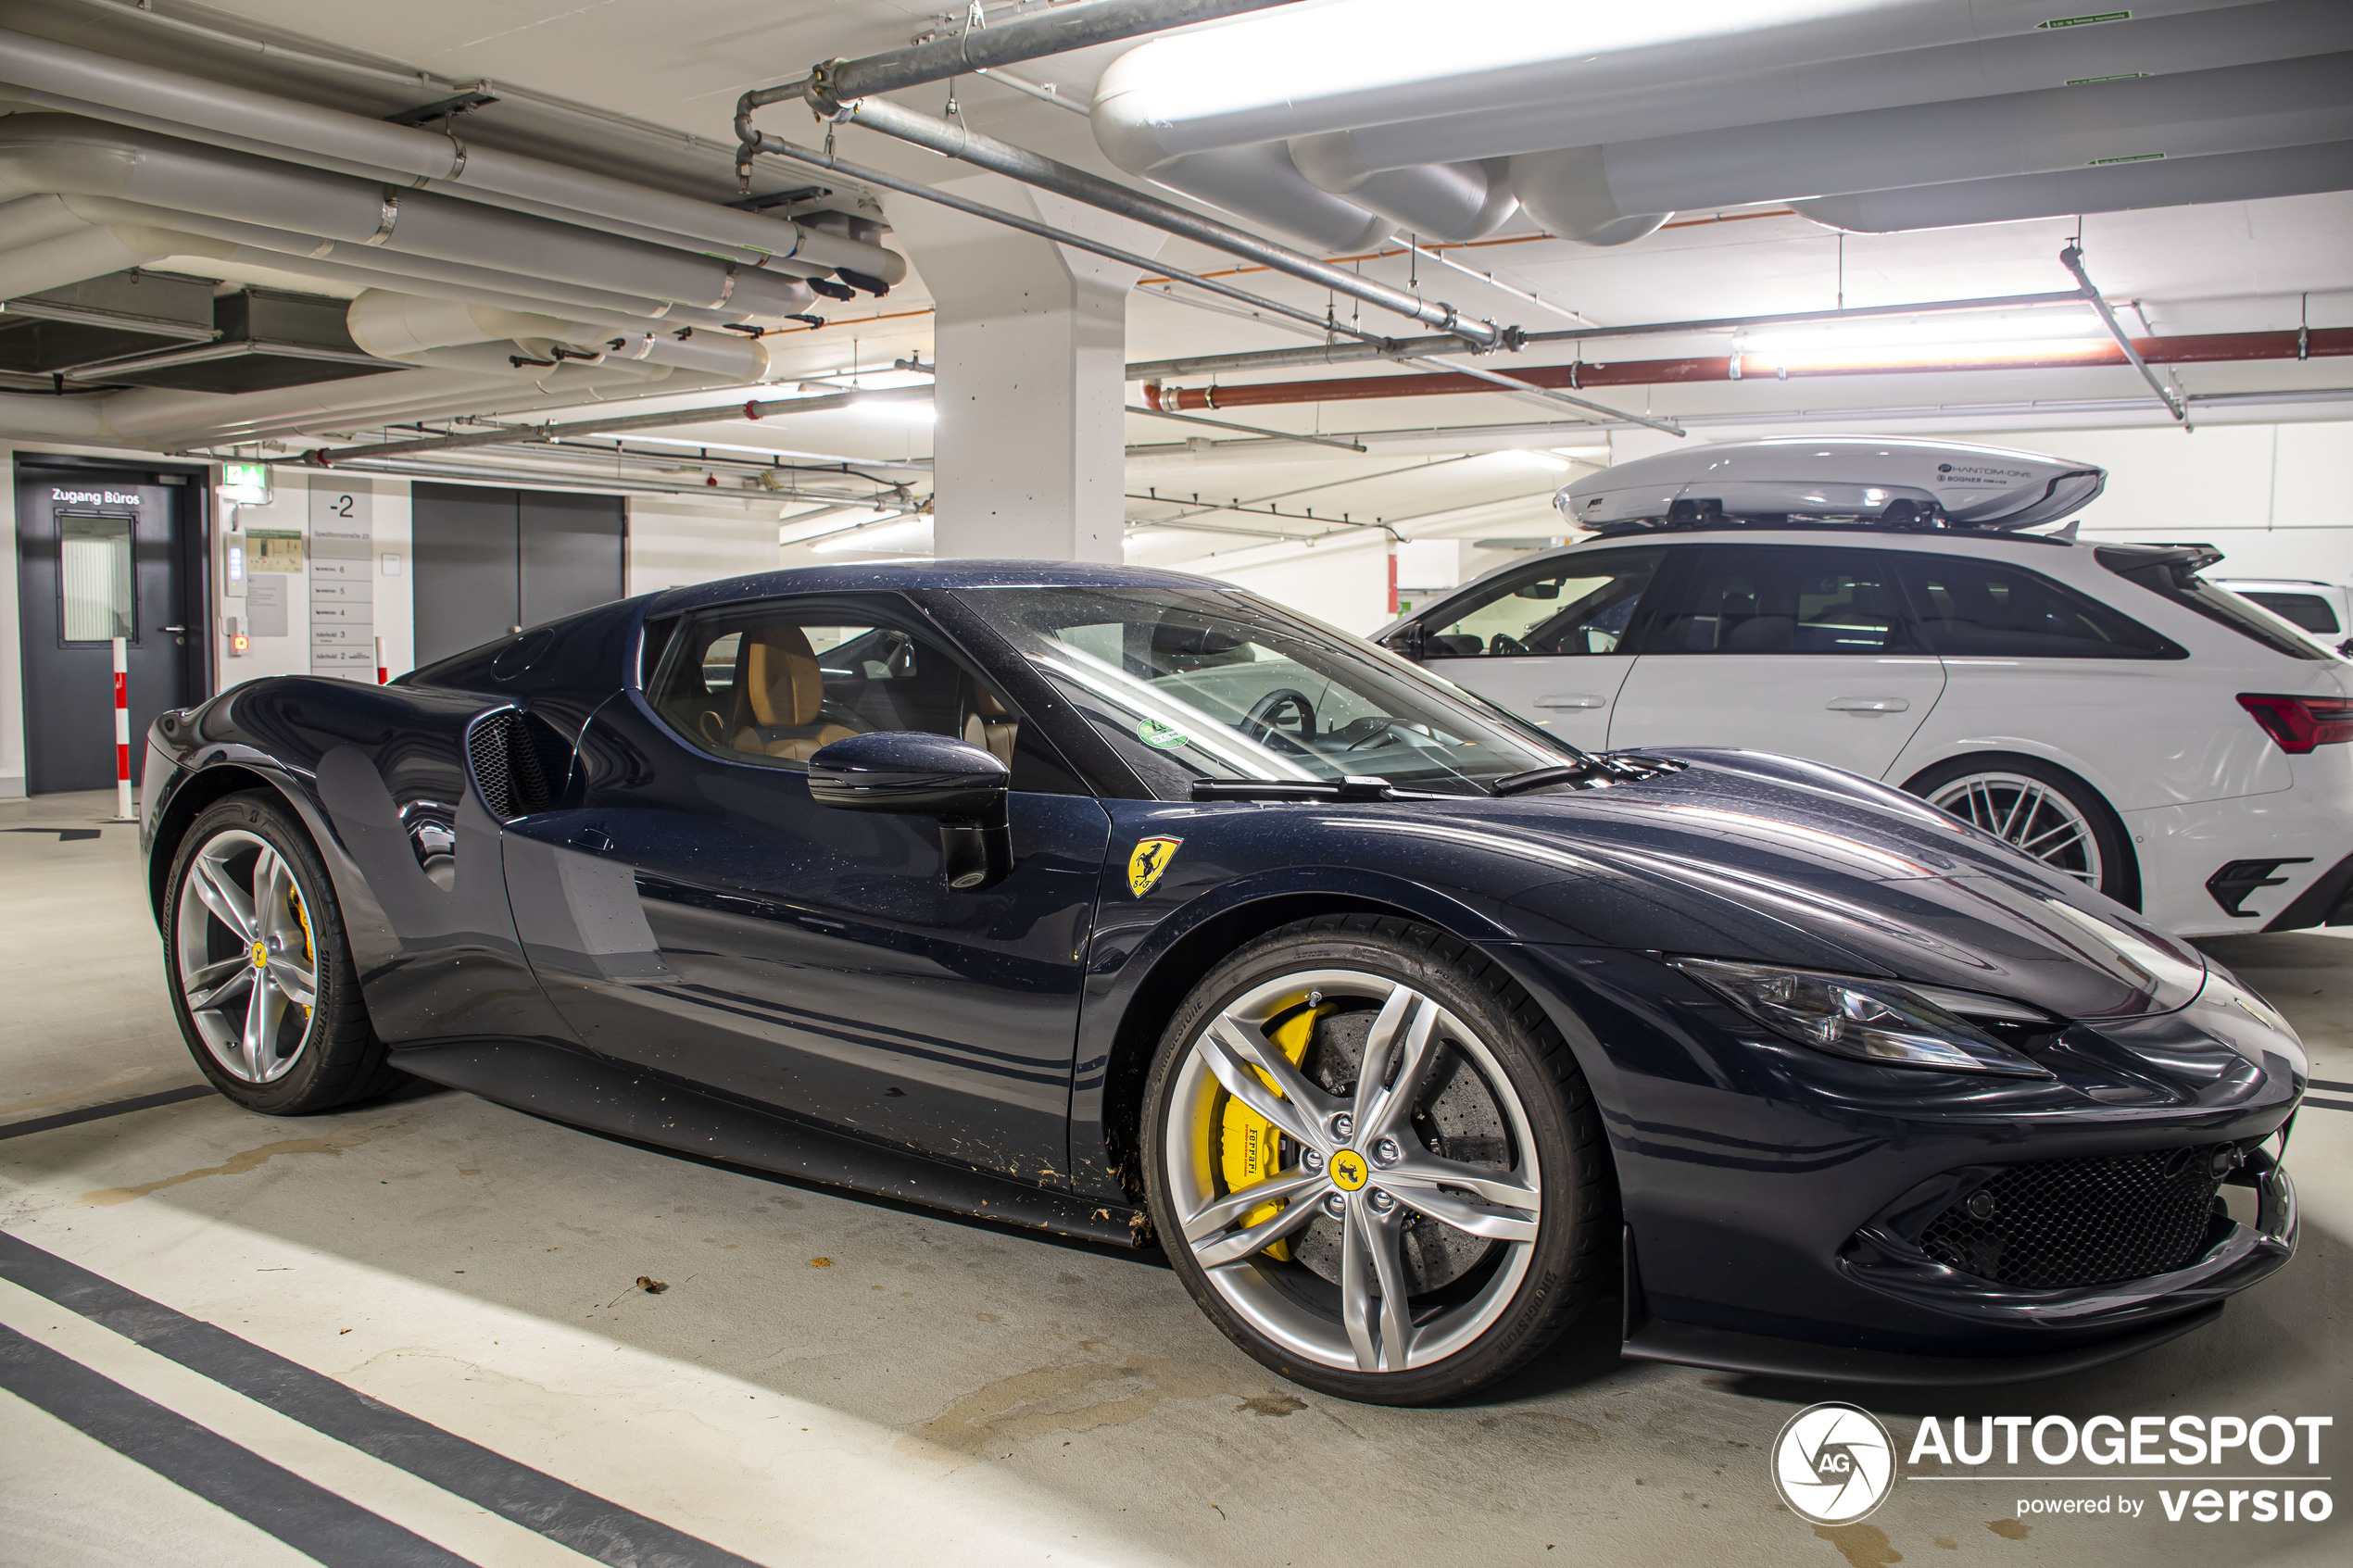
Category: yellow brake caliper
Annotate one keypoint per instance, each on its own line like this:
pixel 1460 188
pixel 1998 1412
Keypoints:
pixel 310 947
pixel 1247 1142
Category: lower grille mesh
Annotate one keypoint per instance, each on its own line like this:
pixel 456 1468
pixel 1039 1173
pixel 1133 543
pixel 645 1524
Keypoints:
pixel 2064 1222
pixel 507 767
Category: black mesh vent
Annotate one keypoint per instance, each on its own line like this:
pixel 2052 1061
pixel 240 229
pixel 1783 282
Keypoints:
pixel 2066 1223
pixel 507 766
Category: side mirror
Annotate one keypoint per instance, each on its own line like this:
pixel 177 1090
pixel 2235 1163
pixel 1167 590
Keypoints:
pixel 915 773
pixel 1409 641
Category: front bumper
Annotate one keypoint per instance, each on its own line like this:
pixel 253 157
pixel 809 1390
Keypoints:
pixel 1766 1188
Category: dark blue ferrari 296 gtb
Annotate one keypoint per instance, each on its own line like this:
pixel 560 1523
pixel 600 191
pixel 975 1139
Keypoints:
pixel 1128 905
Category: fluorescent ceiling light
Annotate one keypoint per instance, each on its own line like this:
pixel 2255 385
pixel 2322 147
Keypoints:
pixel 2067 333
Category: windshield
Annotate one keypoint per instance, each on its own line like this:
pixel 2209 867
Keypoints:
pixel 1208 683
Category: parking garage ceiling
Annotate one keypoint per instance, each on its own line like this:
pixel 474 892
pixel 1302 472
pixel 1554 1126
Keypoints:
pixel 642 93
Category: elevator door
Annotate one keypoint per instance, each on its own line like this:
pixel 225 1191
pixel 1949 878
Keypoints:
pixel 488 561
pixel 100 554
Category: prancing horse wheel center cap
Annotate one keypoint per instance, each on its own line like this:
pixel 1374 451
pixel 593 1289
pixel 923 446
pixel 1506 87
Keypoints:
pixel 261 955
pixel 1348 1170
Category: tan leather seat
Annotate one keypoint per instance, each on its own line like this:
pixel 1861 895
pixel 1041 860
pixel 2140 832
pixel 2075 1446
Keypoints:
pixel 990 727
pixel 778 692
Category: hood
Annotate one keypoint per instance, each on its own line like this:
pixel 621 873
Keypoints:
pixel 1746 855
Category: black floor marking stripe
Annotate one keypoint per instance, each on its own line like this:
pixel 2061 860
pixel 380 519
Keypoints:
pixel 603 1531
pixel 2327 1104
pixel 2328 1084
pixel 309 1518
pixel 100 1113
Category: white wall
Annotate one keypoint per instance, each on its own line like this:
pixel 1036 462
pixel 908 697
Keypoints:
pixel 290 510
pixel 677 540
pixel 1344 582
pixel 2277 500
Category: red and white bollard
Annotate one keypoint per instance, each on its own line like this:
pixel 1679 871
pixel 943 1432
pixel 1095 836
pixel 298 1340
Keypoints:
pixel 122 731
pixel 383 673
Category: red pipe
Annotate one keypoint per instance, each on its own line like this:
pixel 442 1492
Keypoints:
pixel 2213 348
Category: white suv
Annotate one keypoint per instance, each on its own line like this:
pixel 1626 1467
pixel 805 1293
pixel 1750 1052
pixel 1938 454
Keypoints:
pixel 2100 705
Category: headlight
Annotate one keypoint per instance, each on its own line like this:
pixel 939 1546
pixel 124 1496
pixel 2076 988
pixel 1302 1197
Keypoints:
pixel 1870 1020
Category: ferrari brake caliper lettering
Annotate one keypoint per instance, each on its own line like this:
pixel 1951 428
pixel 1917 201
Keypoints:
pixel 1249 1147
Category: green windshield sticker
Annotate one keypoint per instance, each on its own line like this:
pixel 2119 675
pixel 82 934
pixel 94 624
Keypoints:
pixel 2085 22
pixel 1151 731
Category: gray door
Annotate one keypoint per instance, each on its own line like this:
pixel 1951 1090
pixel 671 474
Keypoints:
pixel 488 561
pixel 103 553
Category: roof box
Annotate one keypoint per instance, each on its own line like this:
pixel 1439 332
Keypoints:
pixel 1840 478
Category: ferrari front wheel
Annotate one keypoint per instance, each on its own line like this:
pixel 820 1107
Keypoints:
pixel 261 977
pixel 1375 1164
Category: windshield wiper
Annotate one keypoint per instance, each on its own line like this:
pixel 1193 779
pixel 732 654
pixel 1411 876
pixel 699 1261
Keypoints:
pixel 1597 769
pixel 1349 788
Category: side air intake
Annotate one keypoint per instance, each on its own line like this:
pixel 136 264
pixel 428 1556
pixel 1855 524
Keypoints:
pixel 506 766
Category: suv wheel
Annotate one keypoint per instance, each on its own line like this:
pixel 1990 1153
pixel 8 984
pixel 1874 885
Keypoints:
pixel 2043 809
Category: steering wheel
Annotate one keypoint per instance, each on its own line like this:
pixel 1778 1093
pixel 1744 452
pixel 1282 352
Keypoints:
pixel 1260 723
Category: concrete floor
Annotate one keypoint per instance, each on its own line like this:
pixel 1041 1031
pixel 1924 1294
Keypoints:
pixel 833 1380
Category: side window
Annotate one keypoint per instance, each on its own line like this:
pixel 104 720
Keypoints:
pixel 1992 608
pixel 771 683
pixel 2307 610
pixel 1780 598
pixel 1573 605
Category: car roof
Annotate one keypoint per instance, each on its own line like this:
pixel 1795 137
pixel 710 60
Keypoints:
pixel 919 575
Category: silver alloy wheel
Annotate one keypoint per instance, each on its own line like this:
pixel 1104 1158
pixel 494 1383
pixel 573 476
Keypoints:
pixel 1361 1150
pixel 2029 814
pixel 246 960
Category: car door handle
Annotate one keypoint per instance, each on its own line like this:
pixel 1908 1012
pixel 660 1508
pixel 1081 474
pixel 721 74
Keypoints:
pixel 591 838
pixel 1868 704
pixel 1574 699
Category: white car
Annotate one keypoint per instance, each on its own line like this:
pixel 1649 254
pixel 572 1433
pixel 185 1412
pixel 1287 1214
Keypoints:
pixel 2100 706
pixel 2323 611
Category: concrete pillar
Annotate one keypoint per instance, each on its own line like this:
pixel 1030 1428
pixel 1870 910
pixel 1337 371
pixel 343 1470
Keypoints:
pixel 1031 340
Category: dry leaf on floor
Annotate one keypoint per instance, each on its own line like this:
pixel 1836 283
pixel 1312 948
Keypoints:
pixel 650 1286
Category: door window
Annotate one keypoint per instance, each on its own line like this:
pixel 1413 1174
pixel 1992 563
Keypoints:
pixel 771 683
pixel 1577 604
pixel 1780 599
pixel 1993 609
pixel 95 577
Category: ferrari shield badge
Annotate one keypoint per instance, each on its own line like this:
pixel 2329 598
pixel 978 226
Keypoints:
pixel 1150 857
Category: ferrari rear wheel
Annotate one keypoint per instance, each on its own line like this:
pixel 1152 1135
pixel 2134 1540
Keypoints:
pixel 1374 1162
pixel 261 977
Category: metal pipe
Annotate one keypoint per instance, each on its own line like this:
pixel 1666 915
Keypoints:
pixel 508 436
pixel 1520 383
pixel 1246 430
pixel 1407 348
pixel 2212 348
pixel 1056 31
pixel 1043 94
pixel 810 155
pixel 1047 174
pixel 2073 259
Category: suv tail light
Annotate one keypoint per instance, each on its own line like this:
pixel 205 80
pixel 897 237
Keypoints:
pixel 2299 723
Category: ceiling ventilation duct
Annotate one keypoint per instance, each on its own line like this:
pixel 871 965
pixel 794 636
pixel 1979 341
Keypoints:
pixel 264 339
pixel 1317 120
pixel 123 313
